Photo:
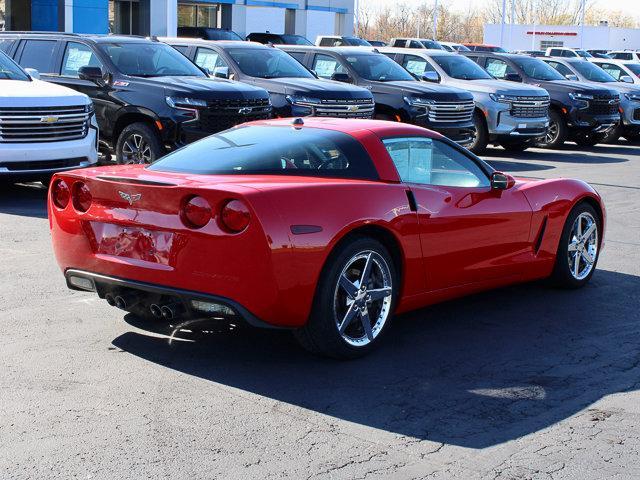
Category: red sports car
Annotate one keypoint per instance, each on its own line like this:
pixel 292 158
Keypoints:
pixel 326 227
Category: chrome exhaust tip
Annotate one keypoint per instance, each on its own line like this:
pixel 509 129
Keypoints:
pixel 156 310
pixel 126 300
pixel 171 311
pixel 110 299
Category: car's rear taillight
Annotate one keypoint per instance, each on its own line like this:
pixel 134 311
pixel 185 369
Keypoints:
pixel 60 194
pixel 234 216
pixel 196 212
pixel 81 197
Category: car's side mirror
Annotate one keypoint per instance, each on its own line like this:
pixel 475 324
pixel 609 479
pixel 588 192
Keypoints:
pixel 33 73
pixel 92 74
pixel 572 77
pixel 221 72
pixel 513 77
pixel 341 77
pixel 431 77
pixel 626 79
pixel 502 181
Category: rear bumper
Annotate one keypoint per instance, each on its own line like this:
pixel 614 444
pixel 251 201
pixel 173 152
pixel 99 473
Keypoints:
pixel 149 293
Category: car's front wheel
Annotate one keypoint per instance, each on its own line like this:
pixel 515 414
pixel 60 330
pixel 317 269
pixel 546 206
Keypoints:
pixel 354 301
pixel 579 247
pixel 557 131
pixel 138 143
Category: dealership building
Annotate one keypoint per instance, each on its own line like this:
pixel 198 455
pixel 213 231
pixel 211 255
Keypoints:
pixel 540 37
pixel 162 17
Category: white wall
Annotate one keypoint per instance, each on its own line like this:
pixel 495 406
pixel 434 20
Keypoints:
pixel 259 19
pixel 519 37
pixel 319 23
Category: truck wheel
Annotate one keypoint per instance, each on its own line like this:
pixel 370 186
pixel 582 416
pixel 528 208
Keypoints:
pixel 138 143
pixel 354 301
pixel 579 247
pixel 556 133
pixel 480 139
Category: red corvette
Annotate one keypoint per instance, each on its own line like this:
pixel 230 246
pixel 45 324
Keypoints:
pixel 327 227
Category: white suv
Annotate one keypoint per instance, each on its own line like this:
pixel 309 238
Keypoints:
pixel 44 128
pixel 567 52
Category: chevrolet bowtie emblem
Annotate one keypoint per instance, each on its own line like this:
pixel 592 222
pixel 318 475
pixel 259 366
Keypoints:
pixel 353 108
pixel 129 197
pixel 245 110
pixel 48 119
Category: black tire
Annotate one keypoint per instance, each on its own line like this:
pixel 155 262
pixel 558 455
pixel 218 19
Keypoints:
pixel 558 131
pixel 633 137
pixel 321 334
pixel 515 147
pixel 589 140
pixel 562 275
pixel 480 139
pixel 147 152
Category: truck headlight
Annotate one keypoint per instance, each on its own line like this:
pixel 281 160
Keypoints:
pixel 419 101
pixel 303 100
pixel 581 99
pixel 185 102
pixel 634 97
pixel 502 98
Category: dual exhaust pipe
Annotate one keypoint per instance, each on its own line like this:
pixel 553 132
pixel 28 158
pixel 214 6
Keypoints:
pixel 124 301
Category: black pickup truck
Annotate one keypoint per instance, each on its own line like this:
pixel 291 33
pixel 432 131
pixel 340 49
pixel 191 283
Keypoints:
pixel 148 98
pixel 582 112
pixel 399 96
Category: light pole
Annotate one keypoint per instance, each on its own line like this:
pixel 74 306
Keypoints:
pixel 504 8
pixel 435 20
pixel 584 5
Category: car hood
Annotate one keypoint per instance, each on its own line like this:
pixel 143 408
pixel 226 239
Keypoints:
pixel 504 87
pixel 204 87
pixel 37 93
pixel 325 89
pixel 621 87
pixel 434 91
pixel 568 86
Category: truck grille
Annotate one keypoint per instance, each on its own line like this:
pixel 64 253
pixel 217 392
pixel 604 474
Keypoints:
pixel 450 112
pixel 43 124
pixel 604 105
pixel 348 108
pixel 530 107
pixel 223 114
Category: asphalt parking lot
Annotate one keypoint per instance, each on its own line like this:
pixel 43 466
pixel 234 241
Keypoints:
pixel 525 382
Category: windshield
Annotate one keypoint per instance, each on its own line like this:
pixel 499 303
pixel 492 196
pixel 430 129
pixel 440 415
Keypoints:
pixel 592 73
pixel 139 59
pixel 272 150
pixel 537 69
pixel 11 71
pixel 431 44
pixel 295 40
pixel 462 68
pixel 267 63
pixel 378 68
pixel 634 67
pixel 357 42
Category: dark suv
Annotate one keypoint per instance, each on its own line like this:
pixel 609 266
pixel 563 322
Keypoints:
pixel 398 95
pixel 208 33
pixel 278 38
pixel 294 90
pixel 582 112
pixel 148 97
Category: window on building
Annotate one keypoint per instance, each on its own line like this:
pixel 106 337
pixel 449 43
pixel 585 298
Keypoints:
pixel 197 15
pixel 544 44
pixel 78 55
pixel 124 17
pixel 38 54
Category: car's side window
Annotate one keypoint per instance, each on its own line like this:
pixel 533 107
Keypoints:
pixel 181 48
pixel 325 66
pixel 209 59
pixel 562 69
pixel 78 55
pixel 299 56
pixel 498 68
pixel 428 161
pixel 415 44
pixel 614 70
pixel 417 65
pixel 38 54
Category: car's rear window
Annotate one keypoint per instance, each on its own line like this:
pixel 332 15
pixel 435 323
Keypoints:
pixel 273 150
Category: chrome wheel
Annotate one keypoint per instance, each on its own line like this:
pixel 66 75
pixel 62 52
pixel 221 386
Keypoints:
pixel 552 133
pixel 583 246
pixel 136 149
pixel 362 298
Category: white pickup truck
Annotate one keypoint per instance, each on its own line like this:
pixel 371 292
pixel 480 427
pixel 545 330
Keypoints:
pixel 44 128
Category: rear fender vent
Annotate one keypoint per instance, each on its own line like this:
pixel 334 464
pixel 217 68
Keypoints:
pixel 538 243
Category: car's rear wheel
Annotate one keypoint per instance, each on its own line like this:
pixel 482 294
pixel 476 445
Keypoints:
pixel 480 137
pixel 354 301
pixel 557 131
pixel 579 247
pixel 138 143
